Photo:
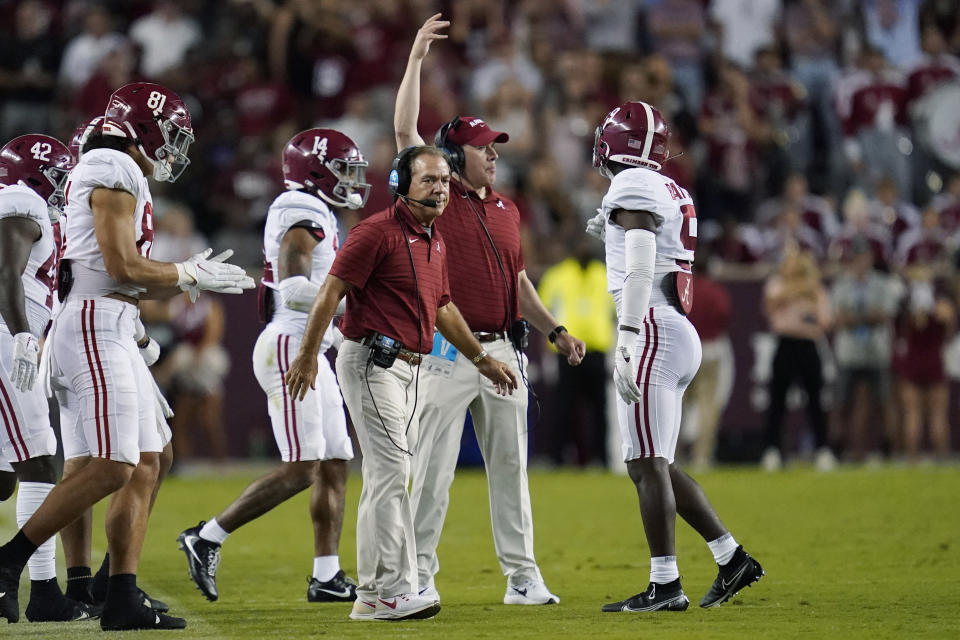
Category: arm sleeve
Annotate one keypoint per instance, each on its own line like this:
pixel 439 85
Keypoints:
pixel 641 250
pixel 359 256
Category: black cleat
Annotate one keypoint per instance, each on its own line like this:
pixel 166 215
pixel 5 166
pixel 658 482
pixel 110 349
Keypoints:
pixel 657 597
pixel 9 598
pixel 203 558
pixel 339 588
pixel 48 604
pixel 742 571
pixel 125 618
pixel 149 601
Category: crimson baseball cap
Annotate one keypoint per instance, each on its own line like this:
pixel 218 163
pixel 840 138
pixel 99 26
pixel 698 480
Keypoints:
pixel 474 132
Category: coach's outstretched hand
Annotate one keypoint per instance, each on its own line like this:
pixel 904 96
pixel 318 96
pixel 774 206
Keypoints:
pixel 201 273
pixel 301 375
pixel 502 376
pixel 427 34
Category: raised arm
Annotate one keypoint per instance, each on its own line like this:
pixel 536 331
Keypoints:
pixel 407 108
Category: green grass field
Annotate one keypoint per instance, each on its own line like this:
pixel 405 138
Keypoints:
pixel 854 554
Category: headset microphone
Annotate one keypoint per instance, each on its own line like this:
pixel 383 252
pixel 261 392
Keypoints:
pixel 427 202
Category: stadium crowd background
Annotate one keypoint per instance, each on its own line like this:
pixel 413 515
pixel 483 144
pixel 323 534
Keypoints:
pixel 807 128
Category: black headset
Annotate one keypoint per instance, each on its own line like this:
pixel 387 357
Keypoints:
pixel 453 150
pixel 401 172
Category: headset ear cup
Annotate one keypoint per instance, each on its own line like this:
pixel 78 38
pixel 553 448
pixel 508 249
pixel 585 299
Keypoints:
pixel 399 181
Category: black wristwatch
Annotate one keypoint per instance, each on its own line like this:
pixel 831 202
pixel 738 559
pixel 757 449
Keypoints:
pixel 556 332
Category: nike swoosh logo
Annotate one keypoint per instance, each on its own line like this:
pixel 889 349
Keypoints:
pixel 412 240
pixel 726 585
pixel 392 605
pixel 157 621
pixel 189 543
pixel 522 592
pixel 2 593
pixel 343 594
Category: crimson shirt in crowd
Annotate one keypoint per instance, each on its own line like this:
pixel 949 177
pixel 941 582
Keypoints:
pixel 376 262
pixel 477 285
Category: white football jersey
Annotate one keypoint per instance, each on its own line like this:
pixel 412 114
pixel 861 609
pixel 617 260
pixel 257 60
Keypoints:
pixel 109 169
pixel 641 189
pixel 292 208
pixel 40 276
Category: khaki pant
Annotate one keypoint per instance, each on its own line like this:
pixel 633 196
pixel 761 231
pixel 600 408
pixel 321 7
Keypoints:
pixel 380 402
pixel 501 427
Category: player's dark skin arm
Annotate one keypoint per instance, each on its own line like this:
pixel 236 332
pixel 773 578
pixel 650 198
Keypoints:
pixel 329 477
pixel 664 490
pixel 17 235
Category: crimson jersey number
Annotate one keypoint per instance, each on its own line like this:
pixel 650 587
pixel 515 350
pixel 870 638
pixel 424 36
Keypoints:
pixel 688 229
pixel 47 273
pixel 145 243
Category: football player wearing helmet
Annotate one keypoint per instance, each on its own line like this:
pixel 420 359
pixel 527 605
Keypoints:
pixel 33 171
pixel 489 284
pixel 649 228
pixel 322 170
pixel 105 270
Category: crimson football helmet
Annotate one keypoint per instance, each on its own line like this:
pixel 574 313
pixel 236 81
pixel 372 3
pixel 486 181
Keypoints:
pixel 327 164
pixel 41 163
pixel 156 120
pixel 634 134
pixel 81 134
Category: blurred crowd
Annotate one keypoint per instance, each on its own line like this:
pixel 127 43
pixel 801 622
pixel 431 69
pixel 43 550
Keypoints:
pixel 826 129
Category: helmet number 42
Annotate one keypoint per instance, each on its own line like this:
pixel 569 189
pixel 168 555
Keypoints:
pixel 41 151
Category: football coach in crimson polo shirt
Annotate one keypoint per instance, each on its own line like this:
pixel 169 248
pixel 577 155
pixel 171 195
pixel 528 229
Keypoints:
pixel 489 284
pixel 374 269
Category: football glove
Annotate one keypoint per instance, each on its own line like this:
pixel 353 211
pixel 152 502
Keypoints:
pixel 149 350
pixel 26 354
pixel 597 227
pixel 202 273
pixel 626 367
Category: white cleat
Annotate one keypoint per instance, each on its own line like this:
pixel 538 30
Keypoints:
pixel 406 606
pixel 430 592
pixel 363 609
pixel 529 592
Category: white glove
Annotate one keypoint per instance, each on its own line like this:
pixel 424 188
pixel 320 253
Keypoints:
pixel 213 274
pixel 149 351
pixel 626 367
pixel 597 227
pixel 337 339
pixel 162 405
pixel 26 354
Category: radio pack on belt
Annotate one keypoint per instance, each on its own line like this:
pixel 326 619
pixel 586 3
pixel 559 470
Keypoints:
pixel 64 279
pixel 678 289
pixel 519 334
pixel 383 350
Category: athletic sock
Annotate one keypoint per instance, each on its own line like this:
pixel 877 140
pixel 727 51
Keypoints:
pixel 325 567
pixel 101 580
pixel 213 532
pixel 122 588
pixel 663 569
pixel 79 584
pixel 723 548
pixel 15 553
pixel 42 563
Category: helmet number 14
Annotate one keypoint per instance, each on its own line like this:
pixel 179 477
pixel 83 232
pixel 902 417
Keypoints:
pixel 320 147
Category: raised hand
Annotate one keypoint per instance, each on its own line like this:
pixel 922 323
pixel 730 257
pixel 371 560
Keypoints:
pixel 427 34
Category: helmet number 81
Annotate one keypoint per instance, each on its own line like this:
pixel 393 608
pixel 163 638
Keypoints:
pixel 41 151
pixel 156 101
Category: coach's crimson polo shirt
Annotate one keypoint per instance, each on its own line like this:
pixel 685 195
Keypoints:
pixel 375 260
pixel 476 284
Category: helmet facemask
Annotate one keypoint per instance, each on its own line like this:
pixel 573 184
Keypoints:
pixel 350 174
pixel 170 160
pixel 58 199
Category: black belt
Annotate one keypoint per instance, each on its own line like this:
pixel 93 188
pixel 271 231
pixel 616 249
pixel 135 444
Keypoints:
pixel 411 357
pixel 489 336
